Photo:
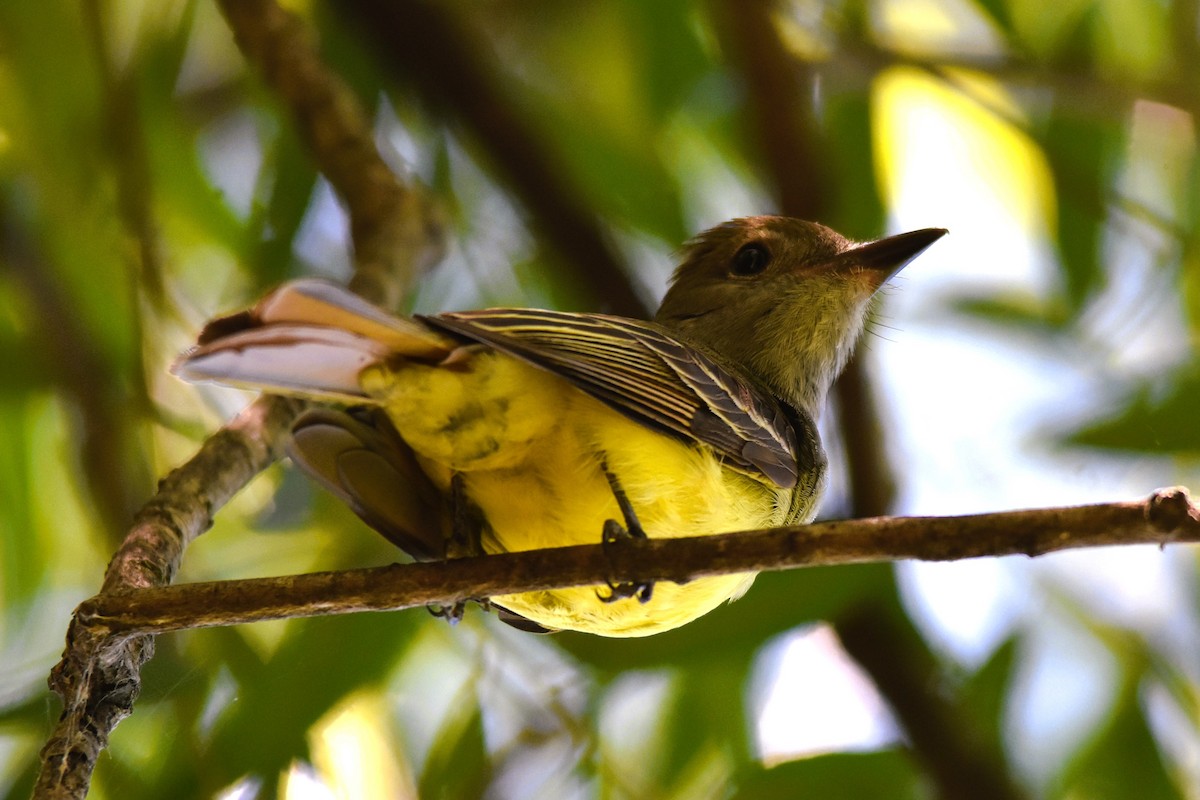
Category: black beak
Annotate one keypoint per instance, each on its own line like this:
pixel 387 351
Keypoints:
pixel 889 256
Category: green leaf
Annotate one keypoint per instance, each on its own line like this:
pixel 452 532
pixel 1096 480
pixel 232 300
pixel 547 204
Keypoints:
pixel 23 559
pixel 1023 312
pixel 458 765
pixel 709 712
pixel 1132 39
pixel 999 13
pixel 857 209
pixel 671 55
pixel 319 662
pixel 985 694
pixel 838 776
pixel 276 221
pixel 1151 422
pixel 621 178
pixel 1122 760
pixel 1084 153
pixel 1189 278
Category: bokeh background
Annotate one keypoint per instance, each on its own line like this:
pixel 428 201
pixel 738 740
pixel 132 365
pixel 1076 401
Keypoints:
pixel 1042 354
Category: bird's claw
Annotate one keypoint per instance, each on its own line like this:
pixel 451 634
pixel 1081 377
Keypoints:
pixel 452 614
pixel 642 590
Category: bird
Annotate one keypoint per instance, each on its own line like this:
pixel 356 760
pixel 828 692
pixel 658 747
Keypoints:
pixel 512 429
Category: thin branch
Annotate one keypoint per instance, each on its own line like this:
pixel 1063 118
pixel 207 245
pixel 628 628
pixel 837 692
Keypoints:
pixel 870 478
pixel 779 94
pixel 1166 517
pixel 426 45
pixel 396 235
pixel 99 677
pixel 397 232
pixel 779 88
pixel 1089 92
pixel 961 766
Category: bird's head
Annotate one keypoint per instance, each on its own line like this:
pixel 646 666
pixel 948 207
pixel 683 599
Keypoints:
pixel 782 298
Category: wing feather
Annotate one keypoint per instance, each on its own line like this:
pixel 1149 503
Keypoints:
pixel 645 372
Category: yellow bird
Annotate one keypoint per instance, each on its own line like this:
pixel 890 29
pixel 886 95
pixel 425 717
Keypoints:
pixel 514 429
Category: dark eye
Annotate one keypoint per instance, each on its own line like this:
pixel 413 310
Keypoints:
pixel 750 260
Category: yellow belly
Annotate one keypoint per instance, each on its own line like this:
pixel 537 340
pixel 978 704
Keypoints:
pixel 530 448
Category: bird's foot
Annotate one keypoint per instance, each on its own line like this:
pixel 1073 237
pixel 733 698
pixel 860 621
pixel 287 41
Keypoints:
pixel 642 590
pixel 452 614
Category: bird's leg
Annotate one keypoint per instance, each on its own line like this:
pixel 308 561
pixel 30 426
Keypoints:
pixel 614 531
pixel 466 540
pixel 468 522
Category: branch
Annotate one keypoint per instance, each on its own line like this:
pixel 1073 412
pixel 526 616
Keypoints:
pixel 942 737
pixel 870 476
pixel 423 43
pixel 99 677
pixel 1088 92
pixel 779 95
pixel 1166 517
pixel 779 92
pixel 396 235
pixel 397 232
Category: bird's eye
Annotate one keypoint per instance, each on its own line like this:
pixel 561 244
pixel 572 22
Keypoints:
pixel 750 260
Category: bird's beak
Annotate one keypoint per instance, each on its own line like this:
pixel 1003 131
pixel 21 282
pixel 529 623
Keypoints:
pixel 888 256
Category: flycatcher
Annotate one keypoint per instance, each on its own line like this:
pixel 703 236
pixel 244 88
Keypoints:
pixel 514 429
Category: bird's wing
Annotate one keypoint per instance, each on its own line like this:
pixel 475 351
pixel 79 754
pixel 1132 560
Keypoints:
pixel 357 455
pixel 641 370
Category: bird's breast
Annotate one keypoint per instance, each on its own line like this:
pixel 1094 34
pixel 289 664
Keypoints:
pixel 533 451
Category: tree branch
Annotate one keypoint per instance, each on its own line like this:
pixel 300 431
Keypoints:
pixel 99 677
pixel 397 232
pixel 942 740
pixel 1088 92
pixel 779 90
pixel 779 95
pixel 396 235
pixel 425 44
pixel 1166 517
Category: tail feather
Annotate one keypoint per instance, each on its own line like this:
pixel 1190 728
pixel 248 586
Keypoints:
pixel 309 338
pixel 288 359
pixel 315 302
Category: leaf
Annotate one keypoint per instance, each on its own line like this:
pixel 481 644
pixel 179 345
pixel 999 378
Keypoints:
pixel 886 774
pixel 275 223
pixel 1023 312
pixel 24 564
pixel 999 13
pixel 622 179
pixel 665 42
pixel 319 662
pixel 709 712
pixel 856 209
pixel 1151 422
pixel 1084 153
pixel 1122 760
pixel 1190 257
pixel 458 765
pixel 985 694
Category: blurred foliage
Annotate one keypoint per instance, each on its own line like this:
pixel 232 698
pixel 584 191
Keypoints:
pixel 148 180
